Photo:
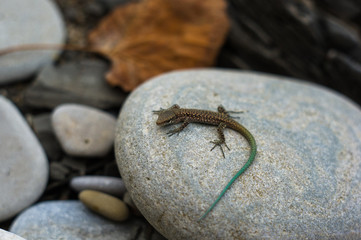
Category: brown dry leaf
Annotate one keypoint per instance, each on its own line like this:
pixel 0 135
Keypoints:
pixel 150 37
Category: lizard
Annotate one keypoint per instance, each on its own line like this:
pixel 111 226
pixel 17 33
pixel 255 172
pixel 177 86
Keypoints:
pixel 222 119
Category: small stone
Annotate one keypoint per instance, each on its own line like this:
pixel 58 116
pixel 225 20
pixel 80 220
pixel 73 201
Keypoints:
pixel 5 235
pixel 71 220
pixel 345 9
pixel 129 201
pixel 42 123
pixel 305 182
pixel 74 82
pixel 105 205
pixel 44 131
pixel 340 35
pixel 58 171
pixel 83 131
pixel 24 167
pixel 28 22
pixel 339 64
pixel 111 169
pixel 75 165
pixel 110 185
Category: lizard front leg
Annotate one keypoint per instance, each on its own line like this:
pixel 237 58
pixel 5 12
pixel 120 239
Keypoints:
pixel 179 129
pixel 221 139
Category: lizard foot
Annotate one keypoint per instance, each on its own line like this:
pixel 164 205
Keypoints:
pixel 219 143
pixel 234 112
pixel 172 132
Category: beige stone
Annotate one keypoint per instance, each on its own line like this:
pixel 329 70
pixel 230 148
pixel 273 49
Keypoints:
pixel 105 205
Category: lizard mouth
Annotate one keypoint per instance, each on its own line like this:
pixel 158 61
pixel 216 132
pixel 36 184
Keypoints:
pixel 162 123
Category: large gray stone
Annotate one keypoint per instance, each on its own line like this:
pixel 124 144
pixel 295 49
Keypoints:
pixel 24 22
pixel 24 167
pixel 304 183
pixel 71 220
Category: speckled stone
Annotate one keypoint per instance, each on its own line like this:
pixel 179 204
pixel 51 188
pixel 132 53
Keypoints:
pixel 24 22
pixel 23 164
pixel 105 205
pixel 304 183
pixel 5 235
pixel 71 220
pixel 110 185
pixel 83 131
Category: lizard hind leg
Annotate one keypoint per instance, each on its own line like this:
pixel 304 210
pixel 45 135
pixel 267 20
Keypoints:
pixel 221 109
pixel 221 139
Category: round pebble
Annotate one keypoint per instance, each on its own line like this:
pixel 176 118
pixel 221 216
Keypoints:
pixel 129 201
pixel 105 205
pixel 110 185
pixel 83 131
pixel 305 182
pixel 24 167
pixel 5 235
pixel 71 220
pixel 24 22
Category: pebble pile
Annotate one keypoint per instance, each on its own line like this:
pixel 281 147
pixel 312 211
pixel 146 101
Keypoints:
pixel 57 141
pixel 66 141
pixel 25 170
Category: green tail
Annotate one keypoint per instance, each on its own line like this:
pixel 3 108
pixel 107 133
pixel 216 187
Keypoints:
pixel 252 155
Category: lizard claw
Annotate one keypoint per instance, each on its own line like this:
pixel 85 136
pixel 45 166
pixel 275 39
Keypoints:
pixel 219 143
pixel 172 132
pixel 158 111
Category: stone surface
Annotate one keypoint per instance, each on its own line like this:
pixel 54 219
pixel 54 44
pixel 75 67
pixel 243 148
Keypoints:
pixel 105 205
pixel 24 167
pixel 45 133
pixel 304 183
pixel 71 220
pixel 5 235
pixel 343 37
pixel 83 131
pixel 344 9
pixel 27 22
pixel 58 171
pixel 110 185
pixel 129 201
pixel 80 167
pixel 75 82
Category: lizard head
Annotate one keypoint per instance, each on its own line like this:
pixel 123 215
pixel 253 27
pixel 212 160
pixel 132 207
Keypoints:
pixel 166 116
